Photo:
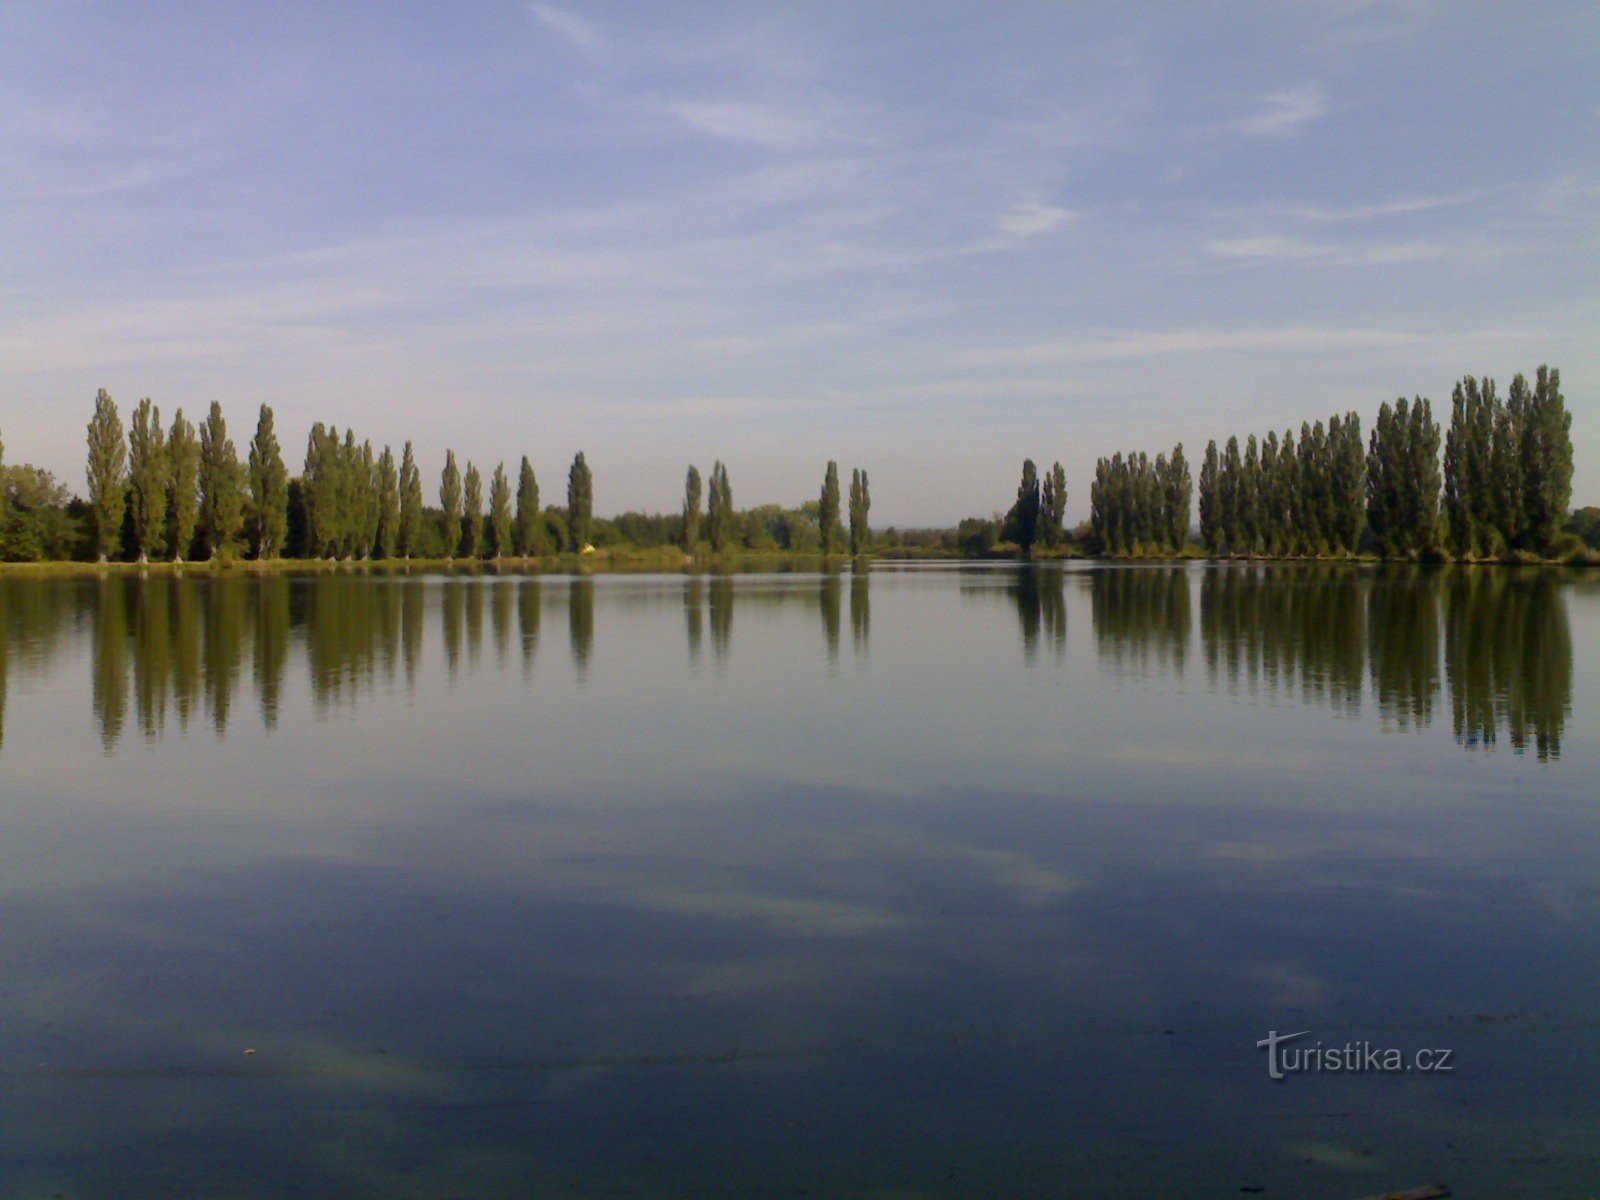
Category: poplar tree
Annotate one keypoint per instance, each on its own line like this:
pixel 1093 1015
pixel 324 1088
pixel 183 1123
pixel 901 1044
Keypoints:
pixel 410 504
pixel 221 484
pixel 1053 502
pixel 1271 513
pixel 389 505
pixel 1505 457
pixel 719 509
pixel 1250 496
pixel 269 489
pixel 860 505
pixel 1228 481
pixel 828 509
pixel 371 503
pixel 474 512
pixel 500 510
pixel 1461 536
pixel 108 473
pixel 319 485
pixel 1210 509
pixel 529 533
pixel 1177 490
pixel 1546 461
pixel 450 502
pixel 580 502
pixel 147 479
pixel 183 479
pixel 1021 524
pixel 691 510
pixel 1349 485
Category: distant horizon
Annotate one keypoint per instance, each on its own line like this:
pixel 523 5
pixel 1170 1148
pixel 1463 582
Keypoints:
pixel 927 242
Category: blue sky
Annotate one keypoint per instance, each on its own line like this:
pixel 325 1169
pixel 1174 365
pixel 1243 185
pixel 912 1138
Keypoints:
pixel 927 239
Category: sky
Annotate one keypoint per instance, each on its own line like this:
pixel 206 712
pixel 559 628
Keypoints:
pixel 924 239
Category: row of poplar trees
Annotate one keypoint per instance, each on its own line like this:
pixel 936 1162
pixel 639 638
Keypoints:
pixel 178 491
pixel 718 516
pixel 1137 506
pixel 1504 485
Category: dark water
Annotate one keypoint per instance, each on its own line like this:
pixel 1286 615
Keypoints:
pixel 928 882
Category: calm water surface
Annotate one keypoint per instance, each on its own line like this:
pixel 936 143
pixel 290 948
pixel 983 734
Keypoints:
pixel 923 882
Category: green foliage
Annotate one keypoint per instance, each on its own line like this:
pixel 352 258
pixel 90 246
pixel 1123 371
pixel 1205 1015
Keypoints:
pixel 828 509
pixel 389 505
pixel 860 506
pixel 450 503
pixel 472 534
pixel 529 534
pixel 410 528
pixel 1053 506
pixel 108 473
pixel 147 479
pixel 500 512
pixel 580 502
pixel 183 486
pixel 37 525
pixel 1210 511
pixel 1021 524
pixel 268 512
pixel 1141 507
pixel 719 509
pixel 221 485
pixel 691 510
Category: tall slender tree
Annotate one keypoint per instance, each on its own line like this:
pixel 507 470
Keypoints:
pixel 1210 503
pixel 389 505
pixel 1177 490
pixel 1022 522
pixel 108 474
pixel 860 506
pixel 580 502
pixel 828 509
pixel 450 502
pixel 474 513
pixel 529 535
pixel 410 504
pixel 1228 485
pixel 221 484
pixel 500 511
pixel 183 480
pixel 1546 461
pixel 147 479
pixel 719 509
pixel 691 509
pixel 268 513
pixel 1053 502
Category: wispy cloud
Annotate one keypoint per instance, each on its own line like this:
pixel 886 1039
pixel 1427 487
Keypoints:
pixel 1165 343
pixel 1366 212
pixel 1274 249
pixel 569 25
pixel 1029 218
pixel 1286 113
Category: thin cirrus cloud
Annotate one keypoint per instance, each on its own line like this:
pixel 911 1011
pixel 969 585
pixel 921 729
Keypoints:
pixel 1286 113
pixel 569 25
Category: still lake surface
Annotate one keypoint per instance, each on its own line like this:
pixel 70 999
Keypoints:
pixel 923 881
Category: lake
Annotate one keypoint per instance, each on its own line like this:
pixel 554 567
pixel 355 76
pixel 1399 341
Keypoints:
pixel 919 882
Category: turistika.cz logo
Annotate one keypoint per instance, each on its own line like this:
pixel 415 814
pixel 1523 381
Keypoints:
pixel 1352 1058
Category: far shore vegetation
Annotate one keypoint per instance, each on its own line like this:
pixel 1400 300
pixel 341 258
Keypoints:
pixel 160 496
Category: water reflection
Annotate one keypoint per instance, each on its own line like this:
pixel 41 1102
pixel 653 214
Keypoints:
pixel 1041 600
pixel 1141 620
pixel 1300 629
pixel 829 594
pixel 1495 646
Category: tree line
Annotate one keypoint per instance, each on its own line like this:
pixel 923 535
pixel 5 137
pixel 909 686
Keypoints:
pixel 1503 487
pixel 177 492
